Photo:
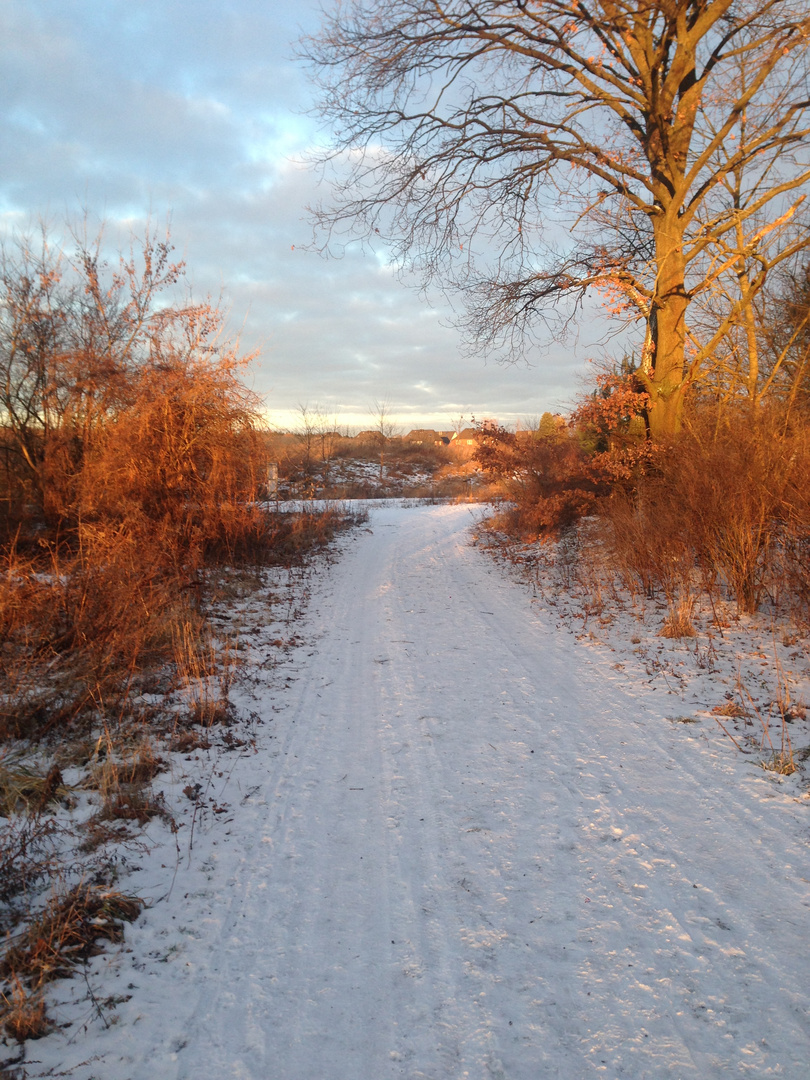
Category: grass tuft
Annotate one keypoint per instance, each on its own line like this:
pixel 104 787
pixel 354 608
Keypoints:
pixel 780 761
pixel 66 932
pixel 678 624
pixel 22 1013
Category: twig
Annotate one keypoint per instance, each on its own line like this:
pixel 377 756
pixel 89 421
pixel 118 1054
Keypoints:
pixel 94 1000
pixel 725 732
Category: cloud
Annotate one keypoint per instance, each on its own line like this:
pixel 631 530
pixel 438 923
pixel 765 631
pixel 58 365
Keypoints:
pixel 154 110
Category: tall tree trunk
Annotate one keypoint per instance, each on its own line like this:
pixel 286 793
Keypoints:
pixel 665 374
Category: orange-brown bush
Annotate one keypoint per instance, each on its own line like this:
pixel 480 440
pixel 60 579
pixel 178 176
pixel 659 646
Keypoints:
pixel 179 465
pixel 130 463
pixel 724 505
pixel 116 402
pixel 546 479
pixel 724 508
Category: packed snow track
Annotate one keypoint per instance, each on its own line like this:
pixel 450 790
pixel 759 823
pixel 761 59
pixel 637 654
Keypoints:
pixel 474 849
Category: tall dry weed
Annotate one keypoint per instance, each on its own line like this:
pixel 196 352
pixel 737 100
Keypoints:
pixel 203 674
pixel 724 508
pixel 79 630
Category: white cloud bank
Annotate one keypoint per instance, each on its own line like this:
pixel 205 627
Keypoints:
pixel 196 112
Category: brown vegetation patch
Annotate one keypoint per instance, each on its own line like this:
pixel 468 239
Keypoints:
pixel 183 742
pixel 66 932
pixel 730 708
pixel 678 624
pixel 781 762
pixel 22 1013
pixel 24 789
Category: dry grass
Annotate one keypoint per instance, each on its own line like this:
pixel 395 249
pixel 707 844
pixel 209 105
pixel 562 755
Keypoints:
pixel 122 775
pixel 54 942
pixel 184 742
pixel 24 789
pixel 202 675
pixel 66 932
pixel 135 802
pixel 22 1013
pixel 779 761
pixel 678 624
pixel 720 518
pixel 731 709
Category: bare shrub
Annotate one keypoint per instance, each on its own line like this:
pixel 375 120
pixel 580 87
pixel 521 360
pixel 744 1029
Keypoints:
pixel 724 505
pixel 131 465
pixel 181 462
pixel 732 482
pixel 546 479
pixel 644 536
pixel 795 537
pixel 27 853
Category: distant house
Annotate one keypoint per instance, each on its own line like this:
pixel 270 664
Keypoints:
pixel 463 443
pixel 467 437
pixel 427 437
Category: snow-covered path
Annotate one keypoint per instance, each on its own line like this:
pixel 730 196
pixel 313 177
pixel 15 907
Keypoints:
pixel 475 849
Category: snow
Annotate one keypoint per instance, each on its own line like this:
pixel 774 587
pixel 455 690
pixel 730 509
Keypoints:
pixel 460 843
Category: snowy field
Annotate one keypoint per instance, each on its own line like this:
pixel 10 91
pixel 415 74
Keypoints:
pixel 462 843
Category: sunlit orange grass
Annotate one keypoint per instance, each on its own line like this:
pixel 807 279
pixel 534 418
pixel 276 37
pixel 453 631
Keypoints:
pixel 80 628
pixel 22 1013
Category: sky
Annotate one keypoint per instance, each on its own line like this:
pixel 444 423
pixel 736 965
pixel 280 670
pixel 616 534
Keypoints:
pixel 196 115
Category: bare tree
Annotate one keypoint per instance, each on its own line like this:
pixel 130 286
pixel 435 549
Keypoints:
pixel 317 432
pixel 530 151
pixel 785 314
pixel 306 433
pixel 384 426
pixel 458 423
